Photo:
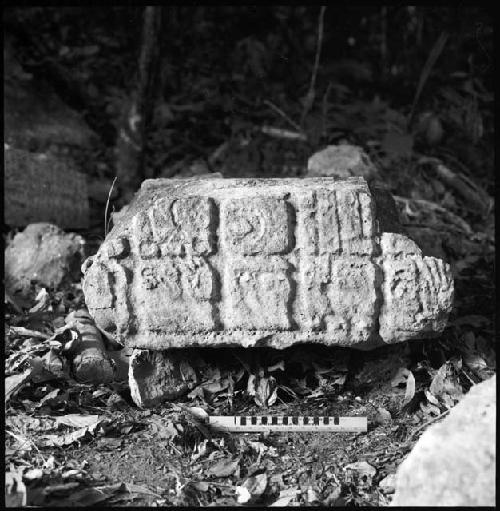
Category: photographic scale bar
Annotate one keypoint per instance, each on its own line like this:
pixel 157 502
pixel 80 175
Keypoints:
pixel 244 424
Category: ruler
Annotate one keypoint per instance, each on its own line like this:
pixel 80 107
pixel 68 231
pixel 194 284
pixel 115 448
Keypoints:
pixel 248 424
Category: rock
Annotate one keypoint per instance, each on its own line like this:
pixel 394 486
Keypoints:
pixel 453 463
pixel 90 362
pixel 262 262
pixel 42 188
pixel 121 359
pixel 341 161
pixel 155 376
pixel 45 254
pixel 388 484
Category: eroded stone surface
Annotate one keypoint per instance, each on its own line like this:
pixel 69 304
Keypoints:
pixel 453 463
pixel 262 262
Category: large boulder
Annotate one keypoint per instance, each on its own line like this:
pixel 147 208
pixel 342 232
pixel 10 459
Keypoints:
pixel 35 118
pixel 43 188
pixel 44 254
pixel 263 262
pixel 453 463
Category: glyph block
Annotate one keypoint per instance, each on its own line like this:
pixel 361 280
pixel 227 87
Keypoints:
pixel 263 262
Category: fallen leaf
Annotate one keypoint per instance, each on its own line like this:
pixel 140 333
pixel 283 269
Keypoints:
pixel 42 302
pixel 431 398
pixel 429 409
pixel 474 361
pixel 68 439
pixel 201 485
pixel 363 471
pixel 20 330
pixel 50 462
pixel 33 474
pixel 198 413
pixel 71 473
pixel 15 490
pixel 48 397
pixel 400 377
pixel 383 416
pixel 311 495
pixel 388 484
pixel 14 383
pixel 437 384
pixel 252 488
pixel 285 497
pixel 24 444
pixel 135 488
pixel 223 468
pixel 410 388
pixel 164 430
pixel 263 389
pixel 243 495
pixel 76 420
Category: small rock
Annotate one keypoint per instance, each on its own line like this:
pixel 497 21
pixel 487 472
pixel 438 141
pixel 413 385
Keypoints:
pixel 388 484
pixel 45 254
pixel 121 359
pixel 383 416
pixel 363 472
pixel 341 161
pixel 453 463
pixel 116 402
pixel 156 376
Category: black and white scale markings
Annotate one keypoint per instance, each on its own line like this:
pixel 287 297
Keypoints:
pixel 251 423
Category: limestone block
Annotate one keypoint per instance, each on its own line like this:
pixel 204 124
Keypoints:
pixel 45 254
pixel 263 262
pixel 453 463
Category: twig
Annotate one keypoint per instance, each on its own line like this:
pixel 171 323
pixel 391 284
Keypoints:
pixel 107 206
pixel 455 219
pixel 280 112
pixel 428 423
pixel 281 133
pixel 309 100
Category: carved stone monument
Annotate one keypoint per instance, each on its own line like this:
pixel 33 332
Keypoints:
pixel 262 262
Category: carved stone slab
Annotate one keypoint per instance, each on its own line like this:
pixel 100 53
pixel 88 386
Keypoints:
pixel 262 262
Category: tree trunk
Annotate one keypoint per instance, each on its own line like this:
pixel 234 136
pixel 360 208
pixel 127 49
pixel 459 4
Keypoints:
pixel 133 132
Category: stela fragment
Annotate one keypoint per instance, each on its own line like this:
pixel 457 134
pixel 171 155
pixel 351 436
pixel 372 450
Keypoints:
pixel 263 262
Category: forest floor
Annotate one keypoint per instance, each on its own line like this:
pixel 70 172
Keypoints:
pixel 70 444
